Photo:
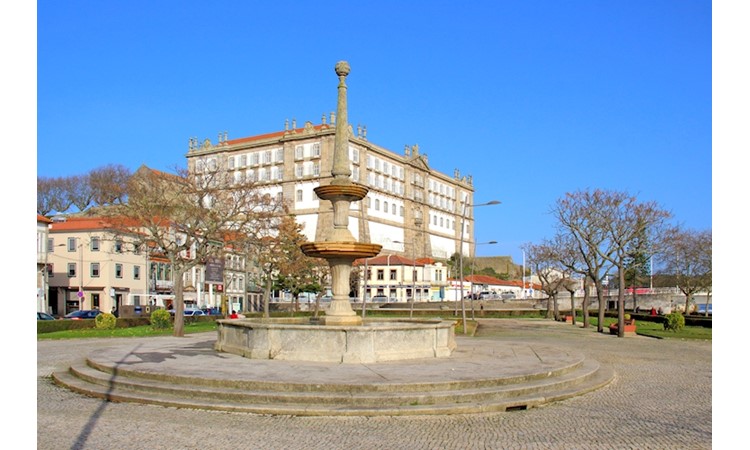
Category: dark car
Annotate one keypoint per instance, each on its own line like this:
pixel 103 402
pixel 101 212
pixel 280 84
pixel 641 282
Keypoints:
pixel 189 312
pixel 44 316
pixel 83 314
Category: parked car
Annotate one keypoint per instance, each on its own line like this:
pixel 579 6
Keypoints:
pixel 379 298
pixel 83 314
pixel 44 316
pixel 189 312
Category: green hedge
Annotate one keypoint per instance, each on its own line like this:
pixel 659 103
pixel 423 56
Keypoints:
pixel 49 326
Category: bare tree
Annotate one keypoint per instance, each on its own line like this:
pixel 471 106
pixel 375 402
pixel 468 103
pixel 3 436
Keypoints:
pixel 79 191
pixel 587 242
pixel 687 257
pixel 622 219
pixel 545 262
pixel 188 216
pixel 52 195
pixel 109 184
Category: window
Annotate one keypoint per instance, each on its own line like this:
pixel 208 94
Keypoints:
pixel 51 245
pixel 118 270
pixel 316 168
pixel 71 244
pixel 316 149
pixel 94 270
pixel 368 276
pixel 299 170
pixel 254 158
pixel 393 209
pixel 393 274
pixel 279 197
pixel 438 275
pixel 95 301
pixel 136 272
pixel 279 155
pixel 299 152
pixel 299 195
pixel 94 244
pixel 401 211
pixel 355 155
pixel 118 246
pixel 385 207
pixel 50 270
pixel 377 205
pixel 267 157
pixel 71 269
pixel 381 274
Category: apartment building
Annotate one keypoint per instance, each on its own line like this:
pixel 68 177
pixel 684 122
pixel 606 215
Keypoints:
pixel 89 266
pixel 407 202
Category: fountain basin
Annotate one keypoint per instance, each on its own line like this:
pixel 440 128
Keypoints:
pixel 300 339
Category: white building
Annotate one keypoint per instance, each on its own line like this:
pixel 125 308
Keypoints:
pixel 407 202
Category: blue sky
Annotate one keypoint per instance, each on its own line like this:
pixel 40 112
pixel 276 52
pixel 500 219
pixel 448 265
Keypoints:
pixel 532 98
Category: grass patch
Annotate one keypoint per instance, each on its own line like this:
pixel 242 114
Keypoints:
pixel 654 329
pixel 139 331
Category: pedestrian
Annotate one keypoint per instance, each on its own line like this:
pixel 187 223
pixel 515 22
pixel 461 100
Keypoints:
pixel 114 311
pixel 653 311
pixel 234 315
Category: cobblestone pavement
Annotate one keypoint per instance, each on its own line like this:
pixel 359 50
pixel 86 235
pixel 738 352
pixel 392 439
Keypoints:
pixel 660 399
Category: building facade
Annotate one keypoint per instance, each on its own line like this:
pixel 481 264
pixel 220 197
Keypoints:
pixel 407 201
pixel 91 267
pixel 42 253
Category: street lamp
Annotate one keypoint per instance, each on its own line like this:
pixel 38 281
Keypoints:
pixel 461 256
pixel 472 275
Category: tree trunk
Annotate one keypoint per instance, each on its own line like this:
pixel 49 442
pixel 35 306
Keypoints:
pixel 600 298
pixel 585 305
pixel 267 299
pixel 549 308
pixel 179 303
pixel 556 306
pixel 621 304
pixel 688 298
pixel 573 306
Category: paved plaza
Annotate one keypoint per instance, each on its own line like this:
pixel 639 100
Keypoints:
pixel 661 398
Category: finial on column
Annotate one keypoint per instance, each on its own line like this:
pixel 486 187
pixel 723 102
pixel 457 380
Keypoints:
pixel 341 171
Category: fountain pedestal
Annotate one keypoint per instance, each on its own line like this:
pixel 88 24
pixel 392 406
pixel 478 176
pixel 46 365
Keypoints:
pixel 340 335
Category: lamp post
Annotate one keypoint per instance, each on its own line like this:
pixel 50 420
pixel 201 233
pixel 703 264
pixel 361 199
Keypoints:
pixel 80 278
pixel 472 275
pixel 413 277
pixel 461 256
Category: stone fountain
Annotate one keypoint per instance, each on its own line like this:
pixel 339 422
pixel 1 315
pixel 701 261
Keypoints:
pixel 341 335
